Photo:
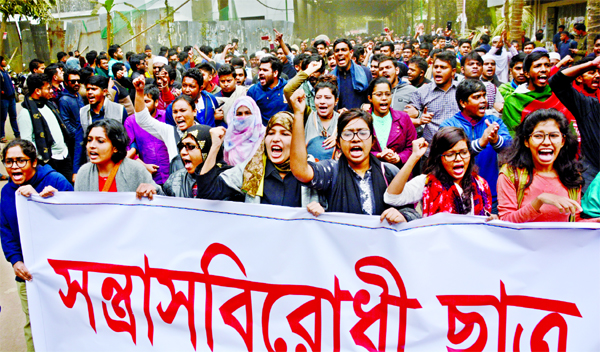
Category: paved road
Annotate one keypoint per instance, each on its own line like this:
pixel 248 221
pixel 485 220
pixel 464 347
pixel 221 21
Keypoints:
pixel 12 318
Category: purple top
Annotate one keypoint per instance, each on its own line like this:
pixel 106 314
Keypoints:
pixel 402 134
pixel 149 148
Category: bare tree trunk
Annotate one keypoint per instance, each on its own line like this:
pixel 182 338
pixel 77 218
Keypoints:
pixel 459 11
pixel 2 30
pixel 437 14
pixel 412 16
pixel 516 17
pixel 428 22
pixel 593 17
pixel 108 30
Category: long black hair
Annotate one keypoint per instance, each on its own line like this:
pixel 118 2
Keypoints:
pixel 566 166
pixel 445 139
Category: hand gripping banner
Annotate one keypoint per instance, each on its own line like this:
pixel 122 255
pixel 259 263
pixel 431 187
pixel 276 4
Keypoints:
pixel 114 273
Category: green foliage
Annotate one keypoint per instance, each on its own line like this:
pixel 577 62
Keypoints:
pixel 37 9
pixel 108 6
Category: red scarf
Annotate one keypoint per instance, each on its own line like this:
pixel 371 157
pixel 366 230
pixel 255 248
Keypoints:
pixel 439 198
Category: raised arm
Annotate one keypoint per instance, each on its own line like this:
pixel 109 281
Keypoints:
pixel 279 39
pixel 217 134
pixel 300 168
pixel 578 70
pixel 399 181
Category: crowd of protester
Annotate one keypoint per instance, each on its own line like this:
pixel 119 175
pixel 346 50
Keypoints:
pixel 398 127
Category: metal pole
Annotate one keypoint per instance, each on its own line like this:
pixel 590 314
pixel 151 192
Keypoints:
pixel 286 11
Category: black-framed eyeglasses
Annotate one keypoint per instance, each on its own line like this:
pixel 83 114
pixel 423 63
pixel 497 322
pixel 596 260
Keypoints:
pixel 540 137
pixel 452 156
pixel 363 134
pixel 188 146
pixel 21 162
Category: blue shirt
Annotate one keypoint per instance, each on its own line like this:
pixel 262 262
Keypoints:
pixel 269 100
pixel 8 90
pixel 350 98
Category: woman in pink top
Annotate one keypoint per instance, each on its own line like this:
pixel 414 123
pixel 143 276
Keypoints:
pixel 542 179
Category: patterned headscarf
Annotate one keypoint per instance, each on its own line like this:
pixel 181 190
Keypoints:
pixel 254 172
pixel 201 134
pixel 244 134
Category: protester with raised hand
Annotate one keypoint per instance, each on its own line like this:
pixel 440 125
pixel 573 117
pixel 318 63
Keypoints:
pixel 448 184
pixel 265 178
pixel 586 111
pixel 184 114
pixel 313 67
pixel 27 178
pixel 355 183
pixel 193 148
pixel 489 133
pixel 542 179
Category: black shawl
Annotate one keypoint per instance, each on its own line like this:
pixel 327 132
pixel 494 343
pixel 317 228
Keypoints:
pixel 345 197
pixel 41 132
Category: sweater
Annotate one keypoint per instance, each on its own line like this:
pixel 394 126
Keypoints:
pixel 130 175
pixel 9 225
pixel 507 200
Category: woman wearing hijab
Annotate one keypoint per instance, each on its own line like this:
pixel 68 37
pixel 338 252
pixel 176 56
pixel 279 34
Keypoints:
pixel 245 131
pixel 193 150
pixel 265 178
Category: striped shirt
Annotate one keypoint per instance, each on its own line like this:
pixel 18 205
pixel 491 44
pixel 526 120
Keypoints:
pixel 441 104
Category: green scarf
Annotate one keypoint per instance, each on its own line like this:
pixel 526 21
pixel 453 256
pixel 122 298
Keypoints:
pixel 516 102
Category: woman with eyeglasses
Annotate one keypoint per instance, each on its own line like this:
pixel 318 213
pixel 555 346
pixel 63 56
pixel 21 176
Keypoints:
pixel 193 148
pixel 109 170
pixel 26 178
pixel 265 178
pixel 356 182
pixel 542 180
pixel 449 184
pixel 394 131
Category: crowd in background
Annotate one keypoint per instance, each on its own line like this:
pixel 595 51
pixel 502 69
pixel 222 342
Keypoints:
pixel 398 127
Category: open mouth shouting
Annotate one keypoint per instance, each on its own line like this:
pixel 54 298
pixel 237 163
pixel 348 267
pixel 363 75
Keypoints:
pixel 546 155
pixel 356 151
pixel 181 123
pixel 542 80
pixel 17 176
pixel 187 162
pixel 458 169
pixel 276 152
pixel 93 155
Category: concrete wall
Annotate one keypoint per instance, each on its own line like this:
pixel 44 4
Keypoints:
pixel 44 41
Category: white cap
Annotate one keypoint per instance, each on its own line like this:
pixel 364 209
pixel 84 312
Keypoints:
pixel 555 56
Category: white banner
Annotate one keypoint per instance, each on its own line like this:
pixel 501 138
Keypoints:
pixel 111 273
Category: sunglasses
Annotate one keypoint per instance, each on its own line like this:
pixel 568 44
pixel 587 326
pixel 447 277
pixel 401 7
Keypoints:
pixel 188 146
pixel 73 81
